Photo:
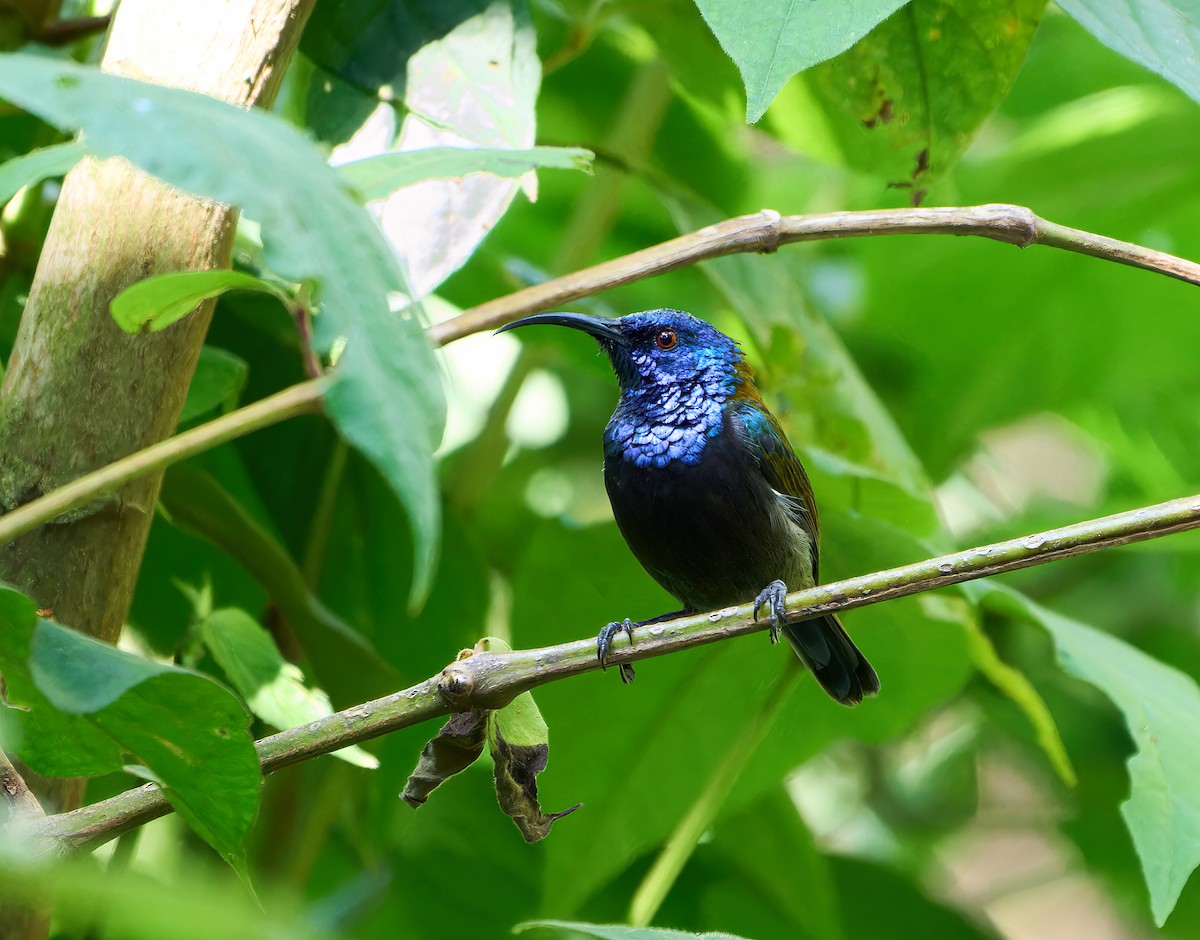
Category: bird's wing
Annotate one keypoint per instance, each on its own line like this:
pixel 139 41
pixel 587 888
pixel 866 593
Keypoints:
pixel 778 462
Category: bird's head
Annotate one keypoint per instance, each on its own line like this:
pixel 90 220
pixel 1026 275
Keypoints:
pixel 657 347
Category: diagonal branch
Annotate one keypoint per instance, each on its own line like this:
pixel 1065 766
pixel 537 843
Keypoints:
pixel 765 231
pixel 488 680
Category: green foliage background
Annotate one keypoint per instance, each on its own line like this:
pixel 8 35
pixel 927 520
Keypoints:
pixel 943 392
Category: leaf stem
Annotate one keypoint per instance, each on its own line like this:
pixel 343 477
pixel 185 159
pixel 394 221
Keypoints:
pixel 491 679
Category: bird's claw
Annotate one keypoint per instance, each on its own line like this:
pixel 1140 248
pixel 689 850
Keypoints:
pixel 773 596
pixel 604 645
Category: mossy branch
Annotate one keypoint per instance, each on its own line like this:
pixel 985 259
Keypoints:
pixel 489 680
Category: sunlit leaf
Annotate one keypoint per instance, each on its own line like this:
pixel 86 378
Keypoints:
pixel 157 302
pixel 1162 35
pixel 772 41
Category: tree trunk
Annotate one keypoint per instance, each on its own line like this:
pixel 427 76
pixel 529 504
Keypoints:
pixel 80 393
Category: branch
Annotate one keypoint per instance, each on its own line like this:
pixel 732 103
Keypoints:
pixel 767 230
pixel 762 232
pixel 489 680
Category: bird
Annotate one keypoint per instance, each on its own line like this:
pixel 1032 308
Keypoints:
pixel 705 487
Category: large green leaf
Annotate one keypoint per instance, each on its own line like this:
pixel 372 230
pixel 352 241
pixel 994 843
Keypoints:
pixel 87 699
pixel 386 397
pixel 905 101
pixel 771 41
pixel 1163 35
pixel 1161 706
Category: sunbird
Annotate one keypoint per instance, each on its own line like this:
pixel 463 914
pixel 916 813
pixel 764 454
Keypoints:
pixel 708 493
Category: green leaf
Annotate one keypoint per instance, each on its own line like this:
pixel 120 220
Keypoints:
pixel 184 727
pixel 621 932
pixel 379 176
pixel 83 705
pixel 386 395
pixel 50 741
pixel 772 40
pixel 1162 35
pixel 273 688
pixel 1016 685
pixel 904 102
pixel 219 378
pixel 1161 706
pixel 37 165
pixel 157 302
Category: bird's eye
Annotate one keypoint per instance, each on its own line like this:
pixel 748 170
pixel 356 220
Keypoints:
pixel 666 339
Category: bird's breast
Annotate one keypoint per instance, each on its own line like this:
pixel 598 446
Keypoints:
pixel 663 425
pixel 711 530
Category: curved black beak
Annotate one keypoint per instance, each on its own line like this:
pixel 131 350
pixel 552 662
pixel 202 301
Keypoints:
pixel 600 327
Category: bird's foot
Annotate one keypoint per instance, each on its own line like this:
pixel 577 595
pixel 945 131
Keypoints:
pixel 604 645
pixel 773 597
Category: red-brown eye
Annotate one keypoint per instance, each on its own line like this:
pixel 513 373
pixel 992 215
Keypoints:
pixel 666 339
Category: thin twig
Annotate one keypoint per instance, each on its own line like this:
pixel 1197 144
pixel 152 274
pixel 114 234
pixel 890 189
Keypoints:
pixel 294 400
pixel 488 680
pixel 766 231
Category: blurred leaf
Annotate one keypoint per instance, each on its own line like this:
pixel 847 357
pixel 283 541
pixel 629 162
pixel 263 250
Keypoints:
pixel 621 932
pixel 767 846
pixel 386 397
pixel 1161 706
pixel 37 165
pixel 219 378
pixel 89 899
pixel 272 687
pixel 184 727
pixel 342 661
pixel 885 902
pixel 905 101
pixel 1162 35
pixel 1016 685
pixel 771 41
pixel 157 302
pixel 379 176
pixel 456 747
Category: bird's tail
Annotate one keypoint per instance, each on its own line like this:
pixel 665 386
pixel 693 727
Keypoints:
pixel 825 648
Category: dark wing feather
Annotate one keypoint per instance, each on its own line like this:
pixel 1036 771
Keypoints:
pixel 779 464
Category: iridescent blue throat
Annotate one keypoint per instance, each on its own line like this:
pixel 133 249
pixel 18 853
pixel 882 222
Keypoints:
pixel 672 418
